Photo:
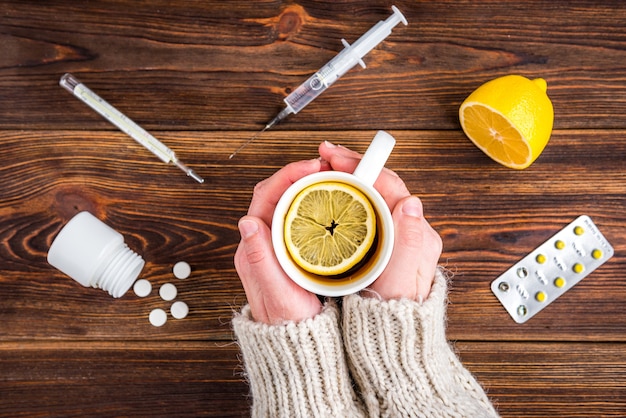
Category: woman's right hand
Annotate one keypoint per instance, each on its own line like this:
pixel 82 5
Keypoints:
pixel 417 248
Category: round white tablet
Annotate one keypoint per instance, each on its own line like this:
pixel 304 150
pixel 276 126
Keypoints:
pixel 168 291
pixel 142 288
pixel 179 310
pixel 182 270
pixel 158 317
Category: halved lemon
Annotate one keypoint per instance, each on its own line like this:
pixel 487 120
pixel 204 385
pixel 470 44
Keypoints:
pixel 330 228
pixel 510 119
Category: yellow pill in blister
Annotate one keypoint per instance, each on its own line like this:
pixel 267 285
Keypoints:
pixel 578 268
pixel 579 230
pixel 559 245
pixel 597 254
pixel 559 282
pixel 540 296
pixel 540 258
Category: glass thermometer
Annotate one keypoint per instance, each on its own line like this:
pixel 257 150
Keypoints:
pixel 125 124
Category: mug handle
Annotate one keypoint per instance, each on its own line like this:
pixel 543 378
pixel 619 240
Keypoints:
pixel 375 158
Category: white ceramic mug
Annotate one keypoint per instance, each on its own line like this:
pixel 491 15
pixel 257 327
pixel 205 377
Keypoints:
pixel 362 179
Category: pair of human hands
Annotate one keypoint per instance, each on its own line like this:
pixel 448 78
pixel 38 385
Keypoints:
pixel 274 298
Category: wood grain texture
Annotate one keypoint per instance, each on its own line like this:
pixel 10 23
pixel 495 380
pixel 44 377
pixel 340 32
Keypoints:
pixel 488 216
pixel 209 66
pixel 202 379
pixel 204 77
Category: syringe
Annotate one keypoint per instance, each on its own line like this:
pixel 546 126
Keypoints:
pixel 335 68
pixel 125 124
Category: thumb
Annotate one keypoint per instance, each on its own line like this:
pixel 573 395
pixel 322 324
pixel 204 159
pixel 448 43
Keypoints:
pixel 273 297
pixel 255 242
pixel 255 264
pixel 255 260
pixel 416 251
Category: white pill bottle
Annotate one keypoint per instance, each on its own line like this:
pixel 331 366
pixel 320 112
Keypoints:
pixel 95 255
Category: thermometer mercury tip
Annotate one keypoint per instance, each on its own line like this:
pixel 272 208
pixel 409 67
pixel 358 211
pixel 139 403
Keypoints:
pixel 125 124
pixel 188 171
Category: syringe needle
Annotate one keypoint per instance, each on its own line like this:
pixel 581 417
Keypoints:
pixel 282 115
pixel 248 141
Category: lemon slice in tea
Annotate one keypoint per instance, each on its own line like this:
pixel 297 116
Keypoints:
pixel 330 228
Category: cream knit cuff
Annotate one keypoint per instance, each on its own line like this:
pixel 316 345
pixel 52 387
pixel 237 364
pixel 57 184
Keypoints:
pixel 401 360
pixel 297 369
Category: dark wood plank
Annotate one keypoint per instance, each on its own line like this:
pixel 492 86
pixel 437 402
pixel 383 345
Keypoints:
pixel 203 379
pixel 546 379
pixel 121 379
pixel 216 67
pixel 488 216
pixel 203 77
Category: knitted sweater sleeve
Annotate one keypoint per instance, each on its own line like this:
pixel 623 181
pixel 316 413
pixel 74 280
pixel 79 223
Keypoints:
pixel 401 360
pixel 297 369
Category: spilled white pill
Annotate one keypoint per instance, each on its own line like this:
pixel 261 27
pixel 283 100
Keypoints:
pixel 179 310
pixel 168 291
pixel 142 288
pixel 182 270
pixel 158 317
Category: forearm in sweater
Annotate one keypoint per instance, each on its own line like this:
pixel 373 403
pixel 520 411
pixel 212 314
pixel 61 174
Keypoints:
pixel 297 369
pixel 402 362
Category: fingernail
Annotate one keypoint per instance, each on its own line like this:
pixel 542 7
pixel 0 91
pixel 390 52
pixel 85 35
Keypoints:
pixel 248 228
pixel 412 207
pixel 329 144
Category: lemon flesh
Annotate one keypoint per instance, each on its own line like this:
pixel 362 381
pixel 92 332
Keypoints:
pixel 329 228
pixel 510 119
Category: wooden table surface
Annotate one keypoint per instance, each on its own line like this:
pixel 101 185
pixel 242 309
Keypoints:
pixel 204 77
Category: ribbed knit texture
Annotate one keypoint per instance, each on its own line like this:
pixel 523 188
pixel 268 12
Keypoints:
pixel 396 350
pixel 401 360
pixel 297 369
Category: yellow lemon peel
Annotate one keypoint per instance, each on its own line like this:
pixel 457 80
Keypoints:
pixel 510 119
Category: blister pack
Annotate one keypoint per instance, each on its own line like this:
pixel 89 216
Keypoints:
pixel 552 269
